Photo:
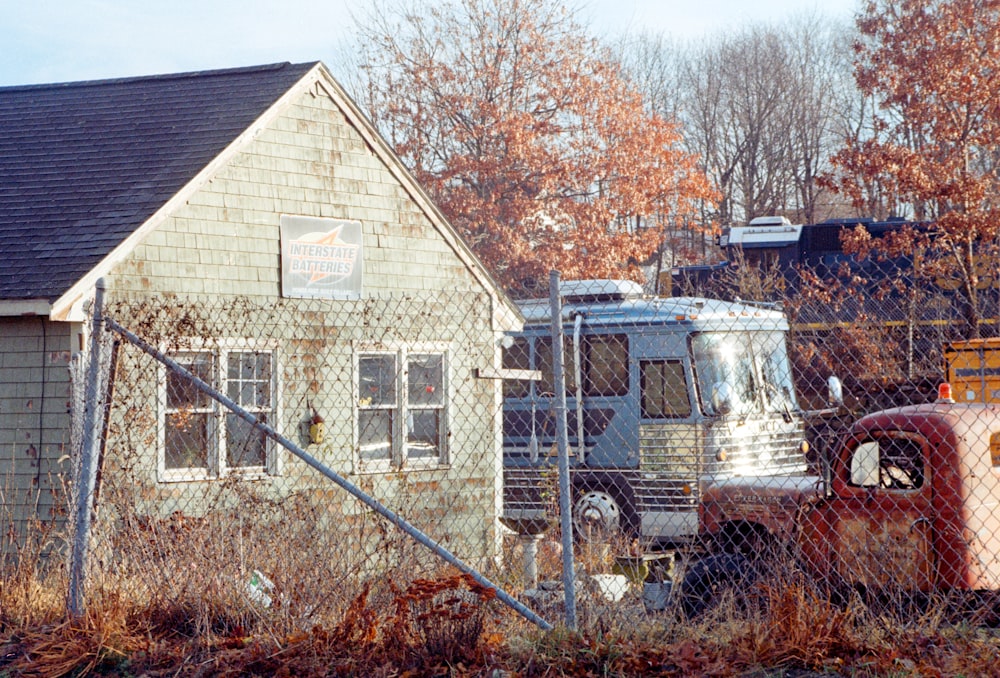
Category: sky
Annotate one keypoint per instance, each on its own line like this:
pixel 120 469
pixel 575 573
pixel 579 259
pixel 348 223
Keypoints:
pixel 48 41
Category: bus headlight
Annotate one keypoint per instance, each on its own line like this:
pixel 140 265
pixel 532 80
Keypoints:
pixel 721 455
pixel 804 447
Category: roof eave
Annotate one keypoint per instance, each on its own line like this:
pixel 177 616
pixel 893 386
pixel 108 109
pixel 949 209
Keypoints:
pixel 24 307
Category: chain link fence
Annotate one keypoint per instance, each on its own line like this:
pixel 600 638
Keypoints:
pixel 676 453
pixel 722 449
pixel 293 456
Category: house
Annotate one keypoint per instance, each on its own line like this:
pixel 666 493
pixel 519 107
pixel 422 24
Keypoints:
pixel 330 289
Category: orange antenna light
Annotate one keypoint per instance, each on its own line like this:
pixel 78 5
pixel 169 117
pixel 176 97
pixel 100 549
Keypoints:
pixel 944 393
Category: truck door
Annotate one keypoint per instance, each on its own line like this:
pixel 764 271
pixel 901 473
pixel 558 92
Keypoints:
pixel 882 513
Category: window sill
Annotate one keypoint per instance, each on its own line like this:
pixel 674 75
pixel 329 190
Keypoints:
pixel 375 468
pixel 180 476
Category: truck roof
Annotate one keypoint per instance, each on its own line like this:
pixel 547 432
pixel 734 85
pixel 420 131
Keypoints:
pixel 764 235
pixel 971 422
pixel 950 411
pixel 650 310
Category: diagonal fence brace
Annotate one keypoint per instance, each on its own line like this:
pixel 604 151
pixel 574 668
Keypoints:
pixel 347 485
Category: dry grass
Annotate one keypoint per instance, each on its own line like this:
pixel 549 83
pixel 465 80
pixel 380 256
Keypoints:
pixel 172 599
pixel 790 629
pixel 449 625
pixel 429 625
pixel 796 626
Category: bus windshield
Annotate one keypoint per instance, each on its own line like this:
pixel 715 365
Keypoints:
pixel 775 371
pixel 741 373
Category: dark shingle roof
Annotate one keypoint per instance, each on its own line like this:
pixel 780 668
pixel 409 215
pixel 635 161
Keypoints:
pixel 83 165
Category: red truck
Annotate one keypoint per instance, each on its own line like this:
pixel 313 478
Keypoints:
pixel 910 499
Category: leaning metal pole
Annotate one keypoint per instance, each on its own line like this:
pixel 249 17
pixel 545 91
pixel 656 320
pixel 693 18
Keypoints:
pixel 84 482
pixel 562 437
pixel 332 475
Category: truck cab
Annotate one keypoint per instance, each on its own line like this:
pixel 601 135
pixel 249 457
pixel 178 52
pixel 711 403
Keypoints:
pixel 913 500
pixel 910 501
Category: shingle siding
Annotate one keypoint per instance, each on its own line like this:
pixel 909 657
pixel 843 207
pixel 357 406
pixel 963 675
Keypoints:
pixel 34 421
pixel 225 241
pixel 228 226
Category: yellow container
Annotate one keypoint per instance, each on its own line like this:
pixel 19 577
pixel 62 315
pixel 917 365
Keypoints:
pixel 973 369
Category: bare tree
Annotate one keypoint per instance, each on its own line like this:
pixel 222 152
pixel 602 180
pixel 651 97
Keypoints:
pixel 653 64
pixel 763 109
pixel 821 118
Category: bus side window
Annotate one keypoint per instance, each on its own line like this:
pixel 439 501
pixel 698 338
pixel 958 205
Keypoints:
pixel 605 365
pixel 517 357
pixel 664 389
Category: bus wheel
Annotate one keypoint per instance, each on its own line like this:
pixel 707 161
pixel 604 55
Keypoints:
pixel 597 516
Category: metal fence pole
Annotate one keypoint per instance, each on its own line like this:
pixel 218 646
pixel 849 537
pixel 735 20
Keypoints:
pixel 562 437
pixel 84 483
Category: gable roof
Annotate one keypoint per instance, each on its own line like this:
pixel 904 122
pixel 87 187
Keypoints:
pixel 85 164
pixel 87 169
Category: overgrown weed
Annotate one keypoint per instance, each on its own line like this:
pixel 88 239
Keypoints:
pixel 173 597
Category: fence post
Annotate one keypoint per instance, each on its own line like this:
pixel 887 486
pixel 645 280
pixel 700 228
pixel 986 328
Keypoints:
pixel 562 437
pixel 84 483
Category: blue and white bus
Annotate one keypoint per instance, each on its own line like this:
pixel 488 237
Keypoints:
pixel 663 396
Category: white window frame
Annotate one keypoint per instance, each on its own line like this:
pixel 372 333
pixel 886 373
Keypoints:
pixel 216 466
pixel 398 459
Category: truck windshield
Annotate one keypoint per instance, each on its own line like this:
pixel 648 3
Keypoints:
pixel 742 372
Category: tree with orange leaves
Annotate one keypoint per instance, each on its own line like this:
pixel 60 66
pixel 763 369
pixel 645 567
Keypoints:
pixel 932 67
pixel 527 135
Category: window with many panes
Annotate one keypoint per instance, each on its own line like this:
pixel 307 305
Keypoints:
pixel 199 438
pixel 401 409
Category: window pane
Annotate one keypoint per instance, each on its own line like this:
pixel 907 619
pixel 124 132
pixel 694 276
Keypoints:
pixel 902 464
pixel 423 434
pixel 664 389
pixel 181 393
pixel 375 434
pixel 605 365
pixel 249 366
pixel 725 359
pixel 517 357
pixel 776 371
pixel 245 445
pixel 186 441
pixel 377 380
pixel 864 465
pixel 425 379
pixel 249 379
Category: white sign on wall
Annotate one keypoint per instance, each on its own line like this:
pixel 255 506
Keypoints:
pixel 320 258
